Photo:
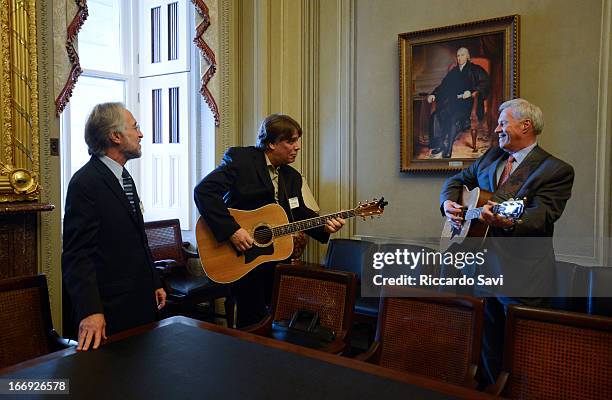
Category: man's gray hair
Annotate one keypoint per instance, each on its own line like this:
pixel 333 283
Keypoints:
pixel 103 119
pixel 464 50
pixel 521 109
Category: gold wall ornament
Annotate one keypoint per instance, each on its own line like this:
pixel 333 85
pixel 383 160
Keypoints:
pixel 22 183
pixel 19 136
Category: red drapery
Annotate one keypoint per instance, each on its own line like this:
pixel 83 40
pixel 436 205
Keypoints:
pixel 75 71
pixel 208 55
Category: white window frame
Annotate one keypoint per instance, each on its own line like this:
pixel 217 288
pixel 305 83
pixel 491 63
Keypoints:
pixel 132 39
pixel 179 186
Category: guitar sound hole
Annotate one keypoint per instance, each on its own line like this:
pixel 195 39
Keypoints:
pixel 262 234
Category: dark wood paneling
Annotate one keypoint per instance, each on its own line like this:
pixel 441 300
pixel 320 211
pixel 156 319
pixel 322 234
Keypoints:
pixel 18 225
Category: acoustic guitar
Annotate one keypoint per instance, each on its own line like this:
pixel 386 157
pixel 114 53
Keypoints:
pixel 271 231
pixel 472 202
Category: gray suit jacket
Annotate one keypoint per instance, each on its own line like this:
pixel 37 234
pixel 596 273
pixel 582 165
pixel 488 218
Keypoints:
pixel 529 261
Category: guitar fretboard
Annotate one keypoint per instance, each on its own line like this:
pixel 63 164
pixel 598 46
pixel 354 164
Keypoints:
pixel 475 212
pixel 310 223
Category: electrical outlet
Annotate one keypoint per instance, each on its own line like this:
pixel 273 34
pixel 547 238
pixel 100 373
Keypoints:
pixel 54 146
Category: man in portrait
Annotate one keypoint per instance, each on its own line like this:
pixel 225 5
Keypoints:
pixel 454 99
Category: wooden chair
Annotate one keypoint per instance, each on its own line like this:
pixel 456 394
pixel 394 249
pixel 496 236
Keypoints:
pixel 331 294
pixel 185 291
pixel 352 255
pixel 555 355
pixel 25 318
pixel 439 337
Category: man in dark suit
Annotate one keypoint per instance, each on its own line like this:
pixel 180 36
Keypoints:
pixel 107 266
pixel 249 178
pixel 523 252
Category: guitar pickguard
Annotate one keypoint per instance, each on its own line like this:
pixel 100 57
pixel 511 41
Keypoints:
pixel 256 251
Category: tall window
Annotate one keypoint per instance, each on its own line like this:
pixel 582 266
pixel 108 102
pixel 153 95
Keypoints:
pixel 165 103
pixel 148 70
pixel 105 55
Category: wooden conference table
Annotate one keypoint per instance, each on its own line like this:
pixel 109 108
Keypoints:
pixel 182 358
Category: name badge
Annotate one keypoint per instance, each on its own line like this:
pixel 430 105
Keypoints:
pixel 294 203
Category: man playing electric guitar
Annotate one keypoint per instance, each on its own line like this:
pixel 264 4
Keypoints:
pixel 249 178
pixel 518 168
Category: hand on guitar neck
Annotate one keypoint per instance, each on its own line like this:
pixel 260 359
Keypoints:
pixel 455 211
pixel 242 240
pixel 333 225
pixel 490 218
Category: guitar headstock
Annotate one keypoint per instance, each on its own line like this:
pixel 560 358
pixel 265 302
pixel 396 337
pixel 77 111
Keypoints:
pixel 511 208
pixel 372 208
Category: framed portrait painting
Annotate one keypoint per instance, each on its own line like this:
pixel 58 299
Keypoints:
pixel 452 81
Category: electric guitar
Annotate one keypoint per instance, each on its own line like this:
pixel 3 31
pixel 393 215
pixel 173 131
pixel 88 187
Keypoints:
pixel 271 231
pixel 472 202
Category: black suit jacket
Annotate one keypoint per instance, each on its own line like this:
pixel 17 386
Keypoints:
pixel 242 181
pixel 106 262
pixel 547 189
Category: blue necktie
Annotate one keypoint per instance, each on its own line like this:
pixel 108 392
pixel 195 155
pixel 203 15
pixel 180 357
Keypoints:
pixel 128 188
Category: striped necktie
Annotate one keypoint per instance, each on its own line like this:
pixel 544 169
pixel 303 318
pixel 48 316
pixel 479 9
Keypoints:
pixel 506 172
pixel 128 188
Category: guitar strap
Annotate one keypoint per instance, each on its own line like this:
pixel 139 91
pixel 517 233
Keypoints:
pixel 516 180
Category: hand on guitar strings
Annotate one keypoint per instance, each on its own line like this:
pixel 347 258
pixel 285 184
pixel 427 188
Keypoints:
pixel 454 213
pixel 333 225
pixel 241 240
pixel 488 217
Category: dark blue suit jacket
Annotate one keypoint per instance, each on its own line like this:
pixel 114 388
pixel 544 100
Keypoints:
pixel 106 262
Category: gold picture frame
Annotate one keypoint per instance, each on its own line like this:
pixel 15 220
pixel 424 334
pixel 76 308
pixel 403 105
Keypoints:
pixel 19 130
pixel 452 80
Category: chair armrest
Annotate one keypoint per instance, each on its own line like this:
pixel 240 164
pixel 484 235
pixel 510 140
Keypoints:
pixel 189 253
pixel 338 346
pixel 369 355
pixel 165 266
pixel 261 328
pixel 470 379
pixel 59 343
pixel 498 387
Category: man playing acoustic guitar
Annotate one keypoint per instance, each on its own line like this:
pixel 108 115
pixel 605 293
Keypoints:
pixel 523 251
pixel 249 178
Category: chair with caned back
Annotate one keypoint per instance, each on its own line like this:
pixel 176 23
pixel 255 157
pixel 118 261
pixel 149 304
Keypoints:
pixel 553 354
pixel 185 291
pixel 439 337
pixel 25 318
pixel 330 294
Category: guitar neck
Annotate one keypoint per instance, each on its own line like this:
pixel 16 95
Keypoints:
pixel 475 212
pixel 310 223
